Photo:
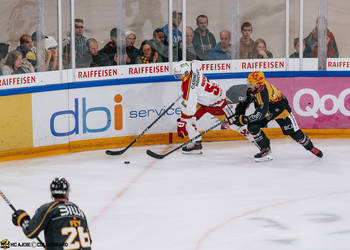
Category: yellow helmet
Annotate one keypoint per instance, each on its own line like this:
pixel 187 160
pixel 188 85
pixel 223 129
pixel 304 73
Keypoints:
pixel 256 77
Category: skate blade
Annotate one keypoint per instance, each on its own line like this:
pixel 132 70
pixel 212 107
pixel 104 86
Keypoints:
pixel 265 158
pixel 194 152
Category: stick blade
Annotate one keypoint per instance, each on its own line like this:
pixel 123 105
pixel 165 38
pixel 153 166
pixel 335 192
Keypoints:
pixel 111 152
pixel 154 155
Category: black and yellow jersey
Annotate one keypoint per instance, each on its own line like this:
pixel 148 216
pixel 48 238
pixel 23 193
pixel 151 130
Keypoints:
pixel 269 103
pixel 64 224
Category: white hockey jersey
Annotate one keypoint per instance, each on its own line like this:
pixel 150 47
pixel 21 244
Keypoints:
pixel 197 88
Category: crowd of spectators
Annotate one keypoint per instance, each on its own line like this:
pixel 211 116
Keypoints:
pixel 200 45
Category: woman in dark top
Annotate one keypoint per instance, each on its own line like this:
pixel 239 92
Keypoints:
pixel 131 50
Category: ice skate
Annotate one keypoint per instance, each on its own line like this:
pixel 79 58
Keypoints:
pixel 264 155
pixel 193 148
pixel 316 152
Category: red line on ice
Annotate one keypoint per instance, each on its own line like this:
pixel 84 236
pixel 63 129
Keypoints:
pixel 126 188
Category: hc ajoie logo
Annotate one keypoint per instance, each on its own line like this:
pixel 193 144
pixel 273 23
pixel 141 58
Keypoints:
pixel 75 114
pixel 5 244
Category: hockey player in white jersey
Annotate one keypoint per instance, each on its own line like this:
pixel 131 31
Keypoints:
pixel 200 96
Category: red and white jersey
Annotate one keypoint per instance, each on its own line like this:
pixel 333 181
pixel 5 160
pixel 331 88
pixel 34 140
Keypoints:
pixel 196 88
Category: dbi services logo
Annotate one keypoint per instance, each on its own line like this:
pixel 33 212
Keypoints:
pixel 117 112
pixel 83 114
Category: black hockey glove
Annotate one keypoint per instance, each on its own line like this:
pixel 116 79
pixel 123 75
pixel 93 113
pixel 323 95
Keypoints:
pixel 241 120
pixel 20 217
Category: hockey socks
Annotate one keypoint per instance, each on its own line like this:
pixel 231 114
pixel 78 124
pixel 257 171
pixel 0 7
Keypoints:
pixel 308 145
pixel 264 144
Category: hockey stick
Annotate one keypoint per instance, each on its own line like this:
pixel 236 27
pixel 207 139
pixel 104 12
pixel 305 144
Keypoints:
pixel 161 156
pixel 14 210
pixel 119 152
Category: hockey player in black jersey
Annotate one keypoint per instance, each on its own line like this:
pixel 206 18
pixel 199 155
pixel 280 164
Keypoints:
pixel 64 223
pixel 270 104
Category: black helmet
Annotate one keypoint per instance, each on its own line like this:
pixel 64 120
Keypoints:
pixel 59 188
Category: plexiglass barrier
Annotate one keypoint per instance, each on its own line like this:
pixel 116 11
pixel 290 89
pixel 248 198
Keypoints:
pixel 38 35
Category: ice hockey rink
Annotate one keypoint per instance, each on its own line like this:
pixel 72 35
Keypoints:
pixel 219 200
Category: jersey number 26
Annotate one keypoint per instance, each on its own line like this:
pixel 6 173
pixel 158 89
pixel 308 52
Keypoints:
pixel 73 232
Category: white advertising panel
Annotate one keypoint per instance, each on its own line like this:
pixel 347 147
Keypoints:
pixel 44 105
pixel 341 64
pixel 32 80
pixel 107 111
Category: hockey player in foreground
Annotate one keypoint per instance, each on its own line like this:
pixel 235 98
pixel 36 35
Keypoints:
pixel 63 222
pixel 200 96
pixel 270 105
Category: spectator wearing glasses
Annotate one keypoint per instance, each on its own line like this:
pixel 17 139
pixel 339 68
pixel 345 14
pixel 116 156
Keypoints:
pixel 80 44
pixel 260 50
pixel 246 43
pixel 222 51
pixel 203 39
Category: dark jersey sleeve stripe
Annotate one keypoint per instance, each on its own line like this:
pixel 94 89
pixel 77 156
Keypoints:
pixel 32 234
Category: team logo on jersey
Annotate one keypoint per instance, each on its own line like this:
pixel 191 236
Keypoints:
pixel 195 80
pixel 5 244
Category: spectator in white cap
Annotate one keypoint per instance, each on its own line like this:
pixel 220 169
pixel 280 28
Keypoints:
pixel 50 51
pixel 131 50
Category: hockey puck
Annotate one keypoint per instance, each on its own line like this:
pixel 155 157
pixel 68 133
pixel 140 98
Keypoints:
pixel 126 162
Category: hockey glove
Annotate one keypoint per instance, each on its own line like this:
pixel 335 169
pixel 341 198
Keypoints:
pixel 181 128
pixel 241 120
pixel 20 217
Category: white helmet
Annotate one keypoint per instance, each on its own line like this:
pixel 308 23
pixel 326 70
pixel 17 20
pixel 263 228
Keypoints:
pixel 182 67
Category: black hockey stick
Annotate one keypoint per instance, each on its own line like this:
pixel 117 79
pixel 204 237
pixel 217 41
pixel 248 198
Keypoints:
pixel 161 156
pixel 14 210
pixel 119 152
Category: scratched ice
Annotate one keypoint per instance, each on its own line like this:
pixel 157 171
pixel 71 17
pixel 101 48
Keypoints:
pixel 216 201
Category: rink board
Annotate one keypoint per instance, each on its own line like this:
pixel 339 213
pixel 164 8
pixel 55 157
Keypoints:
pixel 108 107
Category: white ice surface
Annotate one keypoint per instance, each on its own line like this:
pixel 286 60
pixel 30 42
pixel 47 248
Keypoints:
pixel 220 200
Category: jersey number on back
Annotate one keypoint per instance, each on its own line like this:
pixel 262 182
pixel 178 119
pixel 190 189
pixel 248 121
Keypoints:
pixel 210 87
pixel 73 232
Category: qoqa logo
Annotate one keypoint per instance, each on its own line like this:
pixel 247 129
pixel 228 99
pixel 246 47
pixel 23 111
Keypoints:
pixel 117 113
pixel 319 103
